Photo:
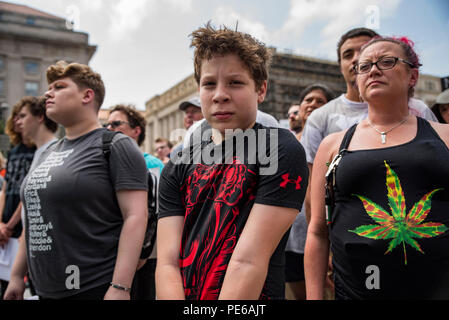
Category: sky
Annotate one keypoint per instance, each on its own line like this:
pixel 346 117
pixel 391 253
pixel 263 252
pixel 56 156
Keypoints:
pixel 144 45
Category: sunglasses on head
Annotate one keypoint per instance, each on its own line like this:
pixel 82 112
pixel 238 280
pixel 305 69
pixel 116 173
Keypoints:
pixel 114 124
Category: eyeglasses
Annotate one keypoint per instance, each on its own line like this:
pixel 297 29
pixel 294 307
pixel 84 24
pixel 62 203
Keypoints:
pixel 114 124
pixel 295 113
pixel 384 63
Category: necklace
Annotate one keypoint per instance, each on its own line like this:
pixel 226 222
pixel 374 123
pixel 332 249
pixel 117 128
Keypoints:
pixel 383 134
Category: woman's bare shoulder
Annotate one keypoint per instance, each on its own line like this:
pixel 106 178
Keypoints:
pixel 334 140
pixel 442 129
pixel 330 145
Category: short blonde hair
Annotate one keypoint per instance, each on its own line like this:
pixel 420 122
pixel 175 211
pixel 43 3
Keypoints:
pixel 81 74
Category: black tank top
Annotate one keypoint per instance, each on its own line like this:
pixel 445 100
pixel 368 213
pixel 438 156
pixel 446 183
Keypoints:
pixel 390 229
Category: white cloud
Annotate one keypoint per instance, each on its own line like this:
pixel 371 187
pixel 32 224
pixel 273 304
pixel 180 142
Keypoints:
pixel 148 56
pixel 183 6
pixel 127 16
pixel 337 17
pixel 93 5
pixel 333 17
pixel 228 17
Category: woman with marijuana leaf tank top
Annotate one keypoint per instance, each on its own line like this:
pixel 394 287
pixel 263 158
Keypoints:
pixel 386 193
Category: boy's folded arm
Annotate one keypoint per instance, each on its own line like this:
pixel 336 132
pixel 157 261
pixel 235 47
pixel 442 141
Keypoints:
pixel 248 267
pixel 169 284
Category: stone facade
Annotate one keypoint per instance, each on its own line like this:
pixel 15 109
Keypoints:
pixel 164 119
pixel 290 74
pixel 30 41
pixel 428 88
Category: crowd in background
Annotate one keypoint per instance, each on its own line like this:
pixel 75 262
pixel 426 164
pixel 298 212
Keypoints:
pixel 213 243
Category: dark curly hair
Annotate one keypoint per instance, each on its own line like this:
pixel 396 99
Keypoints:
pixel 135 119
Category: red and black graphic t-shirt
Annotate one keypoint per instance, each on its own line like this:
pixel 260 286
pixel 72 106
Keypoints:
pixel 215 187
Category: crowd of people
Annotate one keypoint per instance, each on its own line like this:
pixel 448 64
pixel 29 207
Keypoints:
pixel 246 209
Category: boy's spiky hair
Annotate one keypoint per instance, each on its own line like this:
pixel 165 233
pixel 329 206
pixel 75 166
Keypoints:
pixel 81 74
pixel 209 42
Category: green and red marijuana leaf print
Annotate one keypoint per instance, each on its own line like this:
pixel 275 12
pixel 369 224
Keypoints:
pixel 400 227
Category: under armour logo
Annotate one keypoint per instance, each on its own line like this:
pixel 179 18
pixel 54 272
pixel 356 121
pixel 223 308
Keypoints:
pixel 286 181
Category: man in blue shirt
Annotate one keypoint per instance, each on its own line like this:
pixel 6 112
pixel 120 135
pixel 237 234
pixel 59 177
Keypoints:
pixel 130 122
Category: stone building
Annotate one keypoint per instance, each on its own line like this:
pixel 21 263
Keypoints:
pixel 30 41
pixel 164 119
pixel 290 74
pixel 428 88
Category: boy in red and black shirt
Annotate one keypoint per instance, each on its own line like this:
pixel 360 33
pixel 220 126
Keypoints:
pixel 228 200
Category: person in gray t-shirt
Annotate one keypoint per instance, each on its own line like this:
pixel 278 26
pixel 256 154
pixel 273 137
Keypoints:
pixel 85 216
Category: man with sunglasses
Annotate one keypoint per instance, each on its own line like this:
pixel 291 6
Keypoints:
pixel 130 122
pixel 295 118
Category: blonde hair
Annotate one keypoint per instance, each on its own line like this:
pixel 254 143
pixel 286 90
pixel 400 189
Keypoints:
pixel 81 74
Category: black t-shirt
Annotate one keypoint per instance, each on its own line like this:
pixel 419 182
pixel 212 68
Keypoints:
pixel 389 233
pixel 216 198
pixel 19 162
pixel 72 215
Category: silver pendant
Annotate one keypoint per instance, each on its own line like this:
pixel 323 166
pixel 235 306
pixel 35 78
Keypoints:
pixel 383 135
